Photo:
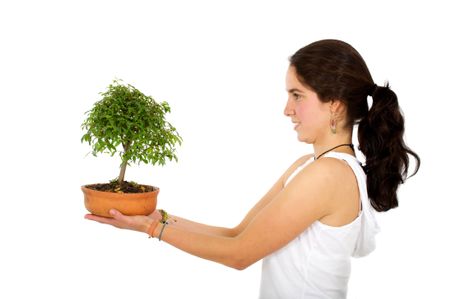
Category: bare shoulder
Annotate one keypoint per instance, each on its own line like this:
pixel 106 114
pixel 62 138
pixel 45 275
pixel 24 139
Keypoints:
pixel 329 174
pixel 336 189
pixel 324 179
pixel 327 167
pixel 325 190
pixel 314 192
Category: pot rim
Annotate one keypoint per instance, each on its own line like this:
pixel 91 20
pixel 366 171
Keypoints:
pixel 85 189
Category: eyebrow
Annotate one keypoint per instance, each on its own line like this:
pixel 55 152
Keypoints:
pixel 295 89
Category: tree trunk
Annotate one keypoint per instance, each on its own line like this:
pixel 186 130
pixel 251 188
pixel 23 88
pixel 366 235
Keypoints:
pixel 122 173
pixel 123 167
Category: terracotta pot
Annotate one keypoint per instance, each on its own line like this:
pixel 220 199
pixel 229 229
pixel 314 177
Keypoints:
pixel 100 202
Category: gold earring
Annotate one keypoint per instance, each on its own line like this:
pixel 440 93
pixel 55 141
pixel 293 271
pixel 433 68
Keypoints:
pixel 333 126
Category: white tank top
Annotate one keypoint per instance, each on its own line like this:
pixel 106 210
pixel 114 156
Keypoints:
pixel 316 264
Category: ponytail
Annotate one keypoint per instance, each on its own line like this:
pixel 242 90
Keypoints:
pixel 380 135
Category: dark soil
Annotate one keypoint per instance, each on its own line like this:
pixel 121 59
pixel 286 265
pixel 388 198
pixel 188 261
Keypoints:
pixel 125 187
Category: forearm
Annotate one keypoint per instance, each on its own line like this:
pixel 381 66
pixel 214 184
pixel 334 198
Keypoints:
pixel 214 247
pixel 198 240
pixel 196 227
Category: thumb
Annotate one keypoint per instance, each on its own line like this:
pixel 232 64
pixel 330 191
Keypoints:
pixel 121 221
pixel 116 214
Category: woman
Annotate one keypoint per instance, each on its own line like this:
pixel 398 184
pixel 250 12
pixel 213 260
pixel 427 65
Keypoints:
pixel 320 212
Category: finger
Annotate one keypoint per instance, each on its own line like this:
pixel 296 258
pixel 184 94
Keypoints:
pixel 100 219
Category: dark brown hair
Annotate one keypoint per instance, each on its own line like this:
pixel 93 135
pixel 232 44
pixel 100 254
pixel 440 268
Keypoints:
pixel 336 71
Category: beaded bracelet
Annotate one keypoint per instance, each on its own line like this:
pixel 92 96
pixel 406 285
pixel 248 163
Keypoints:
pixel 162 230
pixel 152 228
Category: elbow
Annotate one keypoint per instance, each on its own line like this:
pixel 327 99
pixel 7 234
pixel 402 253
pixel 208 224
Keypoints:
pixel 240 258
pixel 234 232
pixel 238 265
pixel 240 262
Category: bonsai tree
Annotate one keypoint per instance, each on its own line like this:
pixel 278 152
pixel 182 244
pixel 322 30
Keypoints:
pixel 128 122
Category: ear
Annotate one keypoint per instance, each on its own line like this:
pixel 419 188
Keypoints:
pixel 337 108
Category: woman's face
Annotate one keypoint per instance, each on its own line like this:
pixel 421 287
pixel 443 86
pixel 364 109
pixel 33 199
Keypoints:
pixel 310 116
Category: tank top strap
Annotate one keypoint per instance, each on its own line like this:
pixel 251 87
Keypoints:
pixel 298 169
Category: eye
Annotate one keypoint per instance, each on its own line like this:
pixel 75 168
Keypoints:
pixel 297 96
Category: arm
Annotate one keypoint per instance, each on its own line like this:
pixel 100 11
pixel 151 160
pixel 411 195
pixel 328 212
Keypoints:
pixel 281 220
pixel 288 214
pixel 275 224
pixel 192 226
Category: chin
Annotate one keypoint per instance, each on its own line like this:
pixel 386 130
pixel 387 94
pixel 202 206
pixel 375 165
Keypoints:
pixel 304 139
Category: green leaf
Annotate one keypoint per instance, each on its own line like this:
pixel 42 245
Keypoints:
pixel 125 115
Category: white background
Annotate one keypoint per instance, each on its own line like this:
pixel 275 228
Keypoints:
pixel 221 66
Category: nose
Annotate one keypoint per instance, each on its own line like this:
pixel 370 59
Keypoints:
pixel 289 109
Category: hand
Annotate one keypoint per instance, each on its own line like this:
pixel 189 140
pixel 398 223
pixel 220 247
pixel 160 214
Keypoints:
pixel 155 215
pixel 138 223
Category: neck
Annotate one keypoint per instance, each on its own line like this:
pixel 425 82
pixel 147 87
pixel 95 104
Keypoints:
pixel 331 141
